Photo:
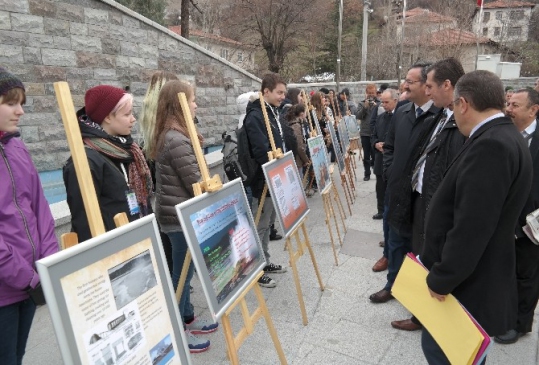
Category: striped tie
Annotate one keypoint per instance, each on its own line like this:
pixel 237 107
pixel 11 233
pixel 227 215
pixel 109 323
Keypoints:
pixel 423 157
pixel 527 137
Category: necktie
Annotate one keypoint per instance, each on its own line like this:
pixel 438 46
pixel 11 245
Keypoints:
pixel 423 157
pixel 418 112
pixel 527 137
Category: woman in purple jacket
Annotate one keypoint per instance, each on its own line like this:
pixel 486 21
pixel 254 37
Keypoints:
pixel 26 225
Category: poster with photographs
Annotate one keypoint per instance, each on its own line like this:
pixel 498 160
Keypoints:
pixel 352 126
pixel 111 300
pixel 336 148
pixel 287 194
pixel 224 244
pixel 318 151
pixel 343 134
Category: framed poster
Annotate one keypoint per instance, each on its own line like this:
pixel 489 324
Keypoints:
pixel 319 158
pixel 352 126
pixel 336 148
pixel 111 299
pixel 285 186
pixel 224 244
pixel 345 139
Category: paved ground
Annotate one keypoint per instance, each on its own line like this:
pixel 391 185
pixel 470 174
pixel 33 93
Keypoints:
pixel 344 327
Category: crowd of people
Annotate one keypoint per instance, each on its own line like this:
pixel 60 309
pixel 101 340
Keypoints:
pixel 454 155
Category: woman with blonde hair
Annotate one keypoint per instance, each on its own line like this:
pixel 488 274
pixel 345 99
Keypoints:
pixel 176 172
pixel 147 127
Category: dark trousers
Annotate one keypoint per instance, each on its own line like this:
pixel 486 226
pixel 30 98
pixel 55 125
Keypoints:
pixel 418 223
pixel 385 227
pixel 380 193
pixel 433 353
pixel 367 155
pixel 399 246
pixel 15 321
pixel 527 282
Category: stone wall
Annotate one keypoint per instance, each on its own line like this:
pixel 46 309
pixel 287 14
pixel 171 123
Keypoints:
pixel 92 42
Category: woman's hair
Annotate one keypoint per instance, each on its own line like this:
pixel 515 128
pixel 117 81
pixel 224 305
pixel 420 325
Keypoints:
pixel 295 111
pixel 127 99
pixel 292 95
pixel 170 114
pixel 317 103
pixel 13 95
pixel 149 108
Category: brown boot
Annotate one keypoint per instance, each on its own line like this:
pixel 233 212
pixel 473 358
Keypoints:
pixel 381 265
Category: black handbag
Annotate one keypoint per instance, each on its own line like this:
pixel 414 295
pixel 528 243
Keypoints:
pixel 37 295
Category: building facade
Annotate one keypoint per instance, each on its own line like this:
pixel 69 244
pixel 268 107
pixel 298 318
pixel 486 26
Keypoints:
pixel 504 21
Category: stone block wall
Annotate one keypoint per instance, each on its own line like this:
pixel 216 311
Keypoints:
pixel 92 42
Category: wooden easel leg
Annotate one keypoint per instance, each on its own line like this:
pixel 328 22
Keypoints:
pixel 334 214
pixel 327 209
pixel 269 323
pixel 313 259
pixel 183 275
pixel 350 180
pixel 260 205
pixel 338 201
pixel 231 349
pixel 297 281
pixel 346 192
pixel 305 176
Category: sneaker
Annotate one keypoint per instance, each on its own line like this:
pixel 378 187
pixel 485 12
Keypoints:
pixel 274 269
pixel 196 344
pixel 267 282
pixel 199 326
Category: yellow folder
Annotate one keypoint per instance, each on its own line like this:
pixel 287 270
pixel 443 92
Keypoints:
pixel 448 323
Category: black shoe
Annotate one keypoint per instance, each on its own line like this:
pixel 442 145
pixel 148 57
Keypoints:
pixel 275 237
pixel 267 282
pixel 378 216
pixel 274 269
pixel 366 178
pixel 509 337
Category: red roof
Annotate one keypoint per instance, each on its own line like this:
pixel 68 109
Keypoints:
pixel 507 4
pixel 420 15
pixel 448 37
pixel 201 34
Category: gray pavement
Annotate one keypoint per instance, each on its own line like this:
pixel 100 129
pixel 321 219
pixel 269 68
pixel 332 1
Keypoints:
pixel 344 327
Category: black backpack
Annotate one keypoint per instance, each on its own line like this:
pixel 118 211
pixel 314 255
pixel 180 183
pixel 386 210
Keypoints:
pixel 237 160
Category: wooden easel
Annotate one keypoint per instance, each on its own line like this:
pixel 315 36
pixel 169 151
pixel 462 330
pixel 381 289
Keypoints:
pixel 212 185
pixel 330 213
pixel 276 153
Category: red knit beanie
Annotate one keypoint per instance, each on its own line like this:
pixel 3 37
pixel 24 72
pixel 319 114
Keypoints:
pixel 99 101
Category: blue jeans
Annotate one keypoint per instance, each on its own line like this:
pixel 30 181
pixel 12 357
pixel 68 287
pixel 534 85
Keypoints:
pixel 263 227
pixel 179 250
pixel 399 246
pixel 15 322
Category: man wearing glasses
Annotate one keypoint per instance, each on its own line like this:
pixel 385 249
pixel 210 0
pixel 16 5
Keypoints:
pixel 410 127
pixel 470 224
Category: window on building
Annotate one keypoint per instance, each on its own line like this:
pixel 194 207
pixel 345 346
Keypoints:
pixel 486 17
pixel 516 15
pixel 499 15
pixel 240 56
pixel 496 31
pixel 485 31
pixel 224 53
pixel 514 31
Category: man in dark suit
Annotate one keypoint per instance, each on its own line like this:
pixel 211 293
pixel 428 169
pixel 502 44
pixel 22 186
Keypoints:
pixel 442 146
pixel 389 100
pixel 470 223
pixel 409 130
pixel 522 109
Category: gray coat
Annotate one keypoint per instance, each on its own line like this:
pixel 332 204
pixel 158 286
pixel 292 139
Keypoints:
pixel 176 172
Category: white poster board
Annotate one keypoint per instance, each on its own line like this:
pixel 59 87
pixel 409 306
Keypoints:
pixel 221 234
pixel 287 194
pixel 336 148
pixel 317 149
pixel 111 299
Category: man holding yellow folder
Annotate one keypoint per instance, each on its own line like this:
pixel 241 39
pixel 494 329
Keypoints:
pixel 469 230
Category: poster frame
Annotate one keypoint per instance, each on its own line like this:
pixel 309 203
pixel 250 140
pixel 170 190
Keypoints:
pixel 322 188
pixel 336 148
pixel 269 169
pixel 55 267
pixel 343 133
pixel 197 204
pixel 352 126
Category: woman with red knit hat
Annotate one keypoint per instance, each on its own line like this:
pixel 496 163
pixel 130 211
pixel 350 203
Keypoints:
pixel 122 180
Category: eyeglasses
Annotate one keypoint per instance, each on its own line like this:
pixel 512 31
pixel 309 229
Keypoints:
pixel 458 100
pixel 411 82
